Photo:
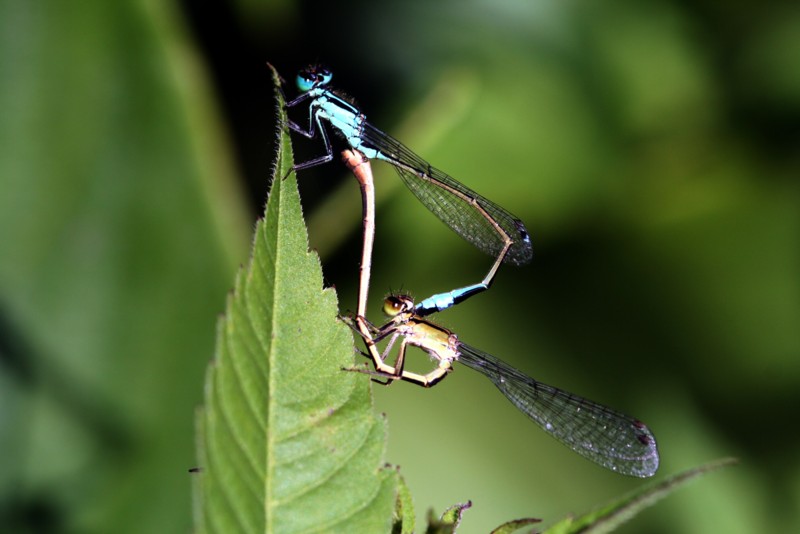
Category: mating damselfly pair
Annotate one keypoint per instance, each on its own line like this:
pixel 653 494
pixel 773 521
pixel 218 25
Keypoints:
pixel 609 438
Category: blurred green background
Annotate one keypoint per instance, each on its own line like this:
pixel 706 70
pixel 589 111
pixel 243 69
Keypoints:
pixel 653 150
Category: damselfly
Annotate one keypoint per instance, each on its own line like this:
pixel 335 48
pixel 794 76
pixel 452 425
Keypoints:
pixel 609 438
pixel 483 223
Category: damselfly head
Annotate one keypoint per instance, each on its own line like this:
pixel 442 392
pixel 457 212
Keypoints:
pixel 313 76
pixel 394 305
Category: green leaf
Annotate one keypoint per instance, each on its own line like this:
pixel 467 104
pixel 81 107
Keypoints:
pixel 288 441
pixel 121 227
pixel 611 516
pixel 515 524
pixel 404 517
pixel 450 520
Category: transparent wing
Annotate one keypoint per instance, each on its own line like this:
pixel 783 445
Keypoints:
pixel 462 209
pixel 609 438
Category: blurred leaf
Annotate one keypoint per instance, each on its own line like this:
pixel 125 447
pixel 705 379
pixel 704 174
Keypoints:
pixel 289 442
pixel 515 525
pixel 120 229
pixel 405 519
pixel 609 517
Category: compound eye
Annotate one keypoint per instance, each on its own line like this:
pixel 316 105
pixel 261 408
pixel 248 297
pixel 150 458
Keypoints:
pixel 324 76
pixel 306 80
pixel 393 306
pixel 313 76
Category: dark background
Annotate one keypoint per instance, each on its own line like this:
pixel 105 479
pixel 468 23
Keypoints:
pixel 651 148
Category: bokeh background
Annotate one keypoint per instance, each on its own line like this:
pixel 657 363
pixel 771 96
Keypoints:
pixel 652 148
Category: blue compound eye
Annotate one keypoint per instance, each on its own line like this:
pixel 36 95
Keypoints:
pixel 314 76
pixel 305 81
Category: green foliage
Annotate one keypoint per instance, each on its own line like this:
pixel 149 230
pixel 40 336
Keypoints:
pixel 113 265
pixel 289 442
pixel 515 525
pixel 611 516
pixel 651 149
pixel 450 520
pixel 405 519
